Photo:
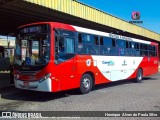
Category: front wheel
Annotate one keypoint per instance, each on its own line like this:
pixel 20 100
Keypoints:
pixel 139 76
pixel 86 84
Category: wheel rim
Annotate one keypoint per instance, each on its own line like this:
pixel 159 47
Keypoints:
pixel 139 75
pixel 86 83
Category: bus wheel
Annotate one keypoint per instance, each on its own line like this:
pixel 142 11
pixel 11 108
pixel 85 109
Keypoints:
pixel 139 76
pixel 86 84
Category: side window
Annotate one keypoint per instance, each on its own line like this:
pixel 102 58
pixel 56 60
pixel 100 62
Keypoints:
pixel 113 42
pixel 128 50
pixel 64 45
pixel 137 49
pixel 133 46
pixel 136 45
pixel 128 44
pixel 107 41
pixel 86 39
pixel 79 38
pixel 101 41
pixel 107 46
pixel 96 40
pixel 155 48
pixel 96 45
pixel 67 42
pixel 143 50
pixel 69 45
pixel 152 51
pixel 121 45
pixel 88 44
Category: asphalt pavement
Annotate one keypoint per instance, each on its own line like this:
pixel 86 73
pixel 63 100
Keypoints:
pixel 116 96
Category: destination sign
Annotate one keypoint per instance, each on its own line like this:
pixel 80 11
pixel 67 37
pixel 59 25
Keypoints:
pixel 34 29
pixel 120 37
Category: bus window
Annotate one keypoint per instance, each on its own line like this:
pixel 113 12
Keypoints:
pixel 65 43
pixel 88 39
pixel 152 51
pixel 107 41
pixel 96 45
pixel 69 46
pixel 120 43
pixel 65 46
pixel 101 41
pixel 136 45
pixel 144 50
pixel 88 44
pixel 128 44
pixel 113 42
pixel 79 38
pixel 96 41
pixel 106 45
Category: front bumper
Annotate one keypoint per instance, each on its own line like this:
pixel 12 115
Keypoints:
pixel 44 86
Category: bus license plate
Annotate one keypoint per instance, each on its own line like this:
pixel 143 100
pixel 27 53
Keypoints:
pixel 26 83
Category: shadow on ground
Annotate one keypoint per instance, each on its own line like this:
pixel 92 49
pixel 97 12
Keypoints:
pixel 35 96
pixel 4 79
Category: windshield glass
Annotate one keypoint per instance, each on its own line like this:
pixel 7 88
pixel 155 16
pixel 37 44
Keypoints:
pixel 32 49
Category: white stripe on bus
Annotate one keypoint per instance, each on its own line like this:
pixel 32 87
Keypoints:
pixel 95 32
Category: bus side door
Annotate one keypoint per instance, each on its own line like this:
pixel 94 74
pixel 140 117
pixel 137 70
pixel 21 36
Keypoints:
pixel 65 59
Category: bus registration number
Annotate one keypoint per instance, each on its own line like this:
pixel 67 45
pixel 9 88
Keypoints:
pixel 26 83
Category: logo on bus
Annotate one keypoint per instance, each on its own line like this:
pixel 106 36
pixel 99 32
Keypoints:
pixel 88 62
pixel 109 63
pixel 124 63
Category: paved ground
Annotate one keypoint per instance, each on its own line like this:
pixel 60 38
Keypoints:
pixel 119 96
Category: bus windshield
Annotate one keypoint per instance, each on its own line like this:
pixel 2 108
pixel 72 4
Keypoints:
pixel 32 49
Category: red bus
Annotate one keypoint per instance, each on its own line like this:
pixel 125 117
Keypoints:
pixel 53 56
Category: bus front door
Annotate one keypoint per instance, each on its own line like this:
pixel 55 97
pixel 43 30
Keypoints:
pixel 65 59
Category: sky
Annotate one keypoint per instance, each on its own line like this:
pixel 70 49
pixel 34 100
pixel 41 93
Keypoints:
pixel 149 10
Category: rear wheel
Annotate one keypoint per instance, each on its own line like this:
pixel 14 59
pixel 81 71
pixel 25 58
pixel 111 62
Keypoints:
pixel 139 76
pixel 86 84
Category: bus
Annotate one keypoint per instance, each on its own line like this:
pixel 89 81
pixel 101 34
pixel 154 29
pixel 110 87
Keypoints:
pixel 52 57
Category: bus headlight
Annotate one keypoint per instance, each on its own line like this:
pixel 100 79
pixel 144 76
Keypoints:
pixel 16 77
pixel 45 77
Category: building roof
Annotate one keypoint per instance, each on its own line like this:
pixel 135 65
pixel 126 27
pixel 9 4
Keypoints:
pixel 19 12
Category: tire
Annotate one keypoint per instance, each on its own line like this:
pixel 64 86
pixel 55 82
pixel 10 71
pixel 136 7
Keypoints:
pixel 86 84
pixel 139 76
